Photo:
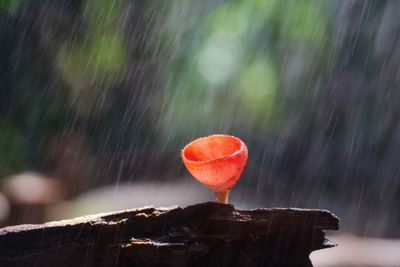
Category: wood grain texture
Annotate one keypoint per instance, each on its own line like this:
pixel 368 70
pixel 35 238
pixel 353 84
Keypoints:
pixel 207 234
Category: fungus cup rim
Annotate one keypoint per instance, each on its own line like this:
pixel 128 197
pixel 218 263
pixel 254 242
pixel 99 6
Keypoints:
pixel 237 152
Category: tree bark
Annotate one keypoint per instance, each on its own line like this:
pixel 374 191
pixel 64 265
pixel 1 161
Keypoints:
pixel 207 234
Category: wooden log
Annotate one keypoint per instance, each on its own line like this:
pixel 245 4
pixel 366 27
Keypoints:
pixel 207 234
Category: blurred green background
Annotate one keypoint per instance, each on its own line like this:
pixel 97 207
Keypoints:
pixel 98 92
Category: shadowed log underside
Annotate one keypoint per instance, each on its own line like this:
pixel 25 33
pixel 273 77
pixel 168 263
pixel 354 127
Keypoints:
pixel 207 234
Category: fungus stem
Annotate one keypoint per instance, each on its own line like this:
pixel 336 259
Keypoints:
pixel 222 197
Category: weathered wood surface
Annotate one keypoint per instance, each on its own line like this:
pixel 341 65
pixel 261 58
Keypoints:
pixel 207 234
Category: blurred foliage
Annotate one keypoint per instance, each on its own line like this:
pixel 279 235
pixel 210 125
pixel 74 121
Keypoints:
pixel 258 85
pixel 13 156
pixel 235 57
pixel 99 58
pixel 95 59
pixel 10 6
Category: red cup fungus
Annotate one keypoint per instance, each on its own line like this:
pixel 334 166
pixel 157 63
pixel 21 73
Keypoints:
pixel 217 161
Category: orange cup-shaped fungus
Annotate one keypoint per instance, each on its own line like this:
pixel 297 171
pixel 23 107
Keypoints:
pixel 217 161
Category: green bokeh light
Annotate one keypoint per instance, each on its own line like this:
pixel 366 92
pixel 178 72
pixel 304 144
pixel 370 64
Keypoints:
pixel 258 86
